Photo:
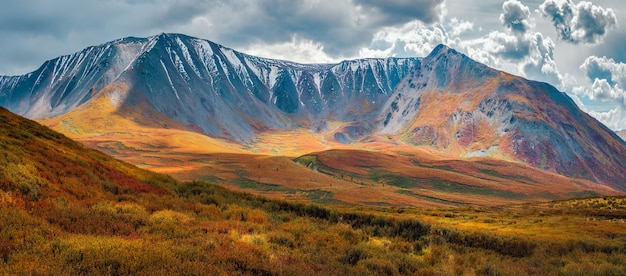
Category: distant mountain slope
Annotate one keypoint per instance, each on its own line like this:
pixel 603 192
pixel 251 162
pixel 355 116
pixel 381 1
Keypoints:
pixel 456 104
pixel 445 101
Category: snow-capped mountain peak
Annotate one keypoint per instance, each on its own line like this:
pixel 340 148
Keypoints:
pixel 445 101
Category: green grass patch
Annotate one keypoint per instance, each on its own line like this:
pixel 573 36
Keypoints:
pixel 438 184
pixel 307 160
pixel 401 181
pixel 312 162
pixel 498 174
pixel 212 179
pixel 450 186
pixel 246 183
pixel 439 167
pixel 429 198
pixel 321 197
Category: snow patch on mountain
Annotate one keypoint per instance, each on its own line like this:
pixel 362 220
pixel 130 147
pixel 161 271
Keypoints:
pixel 169 79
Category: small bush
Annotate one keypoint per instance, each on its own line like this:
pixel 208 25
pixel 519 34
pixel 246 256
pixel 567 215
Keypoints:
pixel 353 255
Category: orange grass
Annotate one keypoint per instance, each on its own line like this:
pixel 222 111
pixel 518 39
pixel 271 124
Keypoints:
pixel 147 139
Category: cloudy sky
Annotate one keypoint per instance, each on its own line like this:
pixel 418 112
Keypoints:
pixel 577 46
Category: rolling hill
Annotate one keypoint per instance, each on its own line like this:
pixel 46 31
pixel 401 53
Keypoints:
pixel 38 163
pixel 182 106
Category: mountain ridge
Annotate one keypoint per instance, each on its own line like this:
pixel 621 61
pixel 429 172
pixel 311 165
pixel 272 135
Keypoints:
pixel 222 75
pixel 445 101
pixel 622 134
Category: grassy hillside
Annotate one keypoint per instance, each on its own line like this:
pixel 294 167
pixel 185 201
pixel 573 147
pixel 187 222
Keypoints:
pixel 69 210
pixel 38 164
pixel 480 181
pixel 376 171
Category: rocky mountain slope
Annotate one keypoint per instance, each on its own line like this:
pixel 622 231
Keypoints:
pixel 214 89
pixel 456 104
pixel 445 101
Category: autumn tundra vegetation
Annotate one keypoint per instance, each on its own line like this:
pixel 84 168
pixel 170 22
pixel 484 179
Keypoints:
pixel 70 210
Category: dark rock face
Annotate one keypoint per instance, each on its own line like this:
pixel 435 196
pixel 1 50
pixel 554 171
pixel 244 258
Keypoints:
pixel 285 94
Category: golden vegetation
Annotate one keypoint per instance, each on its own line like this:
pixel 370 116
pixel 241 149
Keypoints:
pixel 68 210
pixel 426 176
pixel 205 229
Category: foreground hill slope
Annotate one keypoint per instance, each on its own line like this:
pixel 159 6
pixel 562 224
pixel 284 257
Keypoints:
pixel 123 95
pixel 38 163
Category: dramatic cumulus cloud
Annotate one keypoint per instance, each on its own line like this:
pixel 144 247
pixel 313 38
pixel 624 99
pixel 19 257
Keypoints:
pixel 297 49
pixel 392 12
pixel 66 26
pixel 460 26
pixel 33 31
pixel 605 68
pixel 515 16
pixel 509 46
pixel 614 118
pixel 608 77
pixel 411 39
pixel 579 23
pixel 518 47
pixel 531 50
pixel 540 64
pixel 342 26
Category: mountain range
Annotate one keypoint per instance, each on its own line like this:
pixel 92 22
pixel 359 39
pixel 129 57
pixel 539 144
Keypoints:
pixel 214 89
pixel 444 103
